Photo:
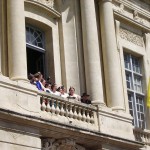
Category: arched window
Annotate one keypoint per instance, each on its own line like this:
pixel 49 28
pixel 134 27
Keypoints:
pixel 34 38
pixel 35 50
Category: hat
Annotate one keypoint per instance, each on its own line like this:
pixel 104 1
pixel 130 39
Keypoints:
pixel 85 94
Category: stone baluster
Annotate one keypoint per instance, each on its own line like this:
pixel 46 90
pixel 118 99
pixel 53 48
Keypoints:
pixel 53 106
pixel 43 106
pixel 83 114
pixel 48 108
pixel 57 110
pixel 148 136
pixel 75 115
pixel 66 109
pixel 62 112
pixel 70 111
pixel 87 116
pixel 79 113
pixel 91 117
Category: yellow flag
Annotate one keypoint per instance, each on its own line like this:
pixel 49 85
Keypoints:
pixel 148 94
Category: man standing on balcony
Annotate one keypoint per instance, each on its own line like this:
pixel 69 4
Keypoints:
pixel 85 98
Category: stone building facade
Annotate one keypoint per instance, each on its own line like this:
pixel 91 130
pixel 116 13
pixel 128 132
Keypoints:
pixel 101 47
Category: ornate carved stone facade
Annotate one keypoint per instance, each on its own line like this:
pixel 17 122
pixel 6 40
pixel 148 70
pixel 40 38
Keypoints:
pixel 131 37
pixel 63 144
pixel 80 48
pixel 132 11
pixel 49 3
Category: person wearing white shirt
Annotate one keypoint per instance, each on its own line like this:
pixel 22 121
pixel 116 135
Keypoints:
pixel 62 91
pixel 72 94
pixel 54 90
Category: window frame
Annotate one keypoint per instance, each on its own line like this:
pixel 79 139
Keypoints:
pixel 34 47
pixel 128 59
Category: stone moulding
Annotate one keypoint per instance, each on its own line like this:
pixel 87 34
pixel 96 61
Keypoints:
pixel 142 136
pixel 131 37
pixel 47 5
pixel 131 11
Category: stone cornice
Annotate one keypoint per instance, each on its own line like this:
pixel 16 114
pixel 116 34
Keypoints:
pixel 49 9
pixel 132 13
pixel 133 7
pixel 131 21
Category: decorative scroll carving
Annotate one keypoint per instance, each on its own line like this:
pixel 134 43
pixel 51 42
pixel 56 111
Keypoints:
pixel 49 3
pixel 63 144
pixel 131 37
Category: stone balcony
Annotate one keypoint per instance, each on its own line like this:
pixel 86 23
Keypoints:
pixel 68 111
pixel 52 117
pixel 142 136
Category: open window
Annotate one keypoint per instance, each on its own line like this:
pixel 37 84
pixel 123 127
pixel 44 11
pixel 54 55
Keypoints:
pixel 35 50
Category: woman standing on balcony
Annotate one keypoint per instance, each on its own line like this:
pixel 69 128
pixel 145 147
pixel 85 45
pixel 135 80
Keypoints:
pixel 38 77
pixel 72 94
pixel 63 91
pixel 54 90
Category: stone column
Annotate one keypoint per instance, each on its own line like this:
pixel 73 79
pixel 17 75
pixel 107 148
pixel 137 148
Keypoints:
pixel 0 36
pixel 16 40
pixel 112 66
pixel 91 51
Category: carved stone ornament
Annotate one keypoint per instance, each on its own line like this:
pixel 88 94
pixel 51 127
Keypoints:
pixel 131 37
pixel 49 144
pixel 119 8
pixel 63 144
pixel 49 3
pixel 136 17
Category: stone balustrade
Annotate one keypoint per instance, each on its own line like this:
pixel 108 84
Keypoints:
pixel 142 136
pixel 67 107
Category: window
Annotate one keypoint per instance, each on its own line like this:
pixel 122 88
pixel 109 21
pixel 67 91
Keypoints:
pixel 135 89
pixel 35 50
pixel 34 38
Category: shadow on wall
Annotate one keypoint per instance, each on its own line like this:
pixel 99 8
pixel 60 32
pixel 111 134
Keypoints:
pixel 70 5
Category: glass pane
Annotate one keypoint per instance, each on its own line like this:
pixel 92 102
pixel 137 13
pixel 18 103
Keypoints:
pixel 138 83
pixel 140 111
pixel 34 37
pixel 127 61
pixel 128 80
pixel 136 64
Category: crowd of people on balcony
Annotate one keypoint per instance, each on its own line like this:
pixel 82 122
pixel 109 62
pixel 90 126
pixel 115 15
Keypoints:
pixel 45 85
